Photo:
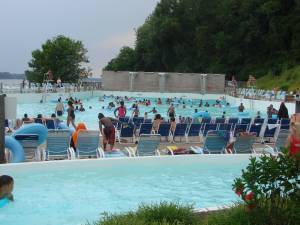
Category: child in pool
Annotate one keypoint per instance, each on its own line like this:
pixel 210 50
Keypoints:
pixel 6 187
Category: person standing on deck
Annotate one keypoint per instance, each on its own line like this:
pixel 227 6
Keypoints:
pixel 121 110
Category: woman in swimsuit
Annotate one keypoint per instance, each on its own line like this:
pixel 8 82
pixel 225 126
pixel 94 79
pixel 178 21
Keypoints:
pixel 71 114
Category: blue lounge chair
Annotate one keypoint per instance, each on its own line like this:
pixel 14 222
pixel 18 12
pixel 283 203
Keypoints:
pixel 220 120
pixel 244 143
pixel 147 146
pixel 30 144
pixel 164 130
pixel 145 128
pixel 193 131
pixel 206 120
pixel 285 124
pixel 280 143
pixel 259 121
pixel 215 142
pixel 137 121
pixel 127 131
pixel 270 131
pixel 50 124
pixel 238 128
pixel 225 127
pixel 233 121
pixel 209 127
pixel 88 144
pixel 246 120
pixel 38 120
pixel 255 128
pixel 180 131
pixel 272 121
pixel 148 121
pixel 58 142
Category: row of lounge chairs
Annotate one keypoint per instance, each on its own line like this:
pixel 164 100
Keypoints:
pixel 89 141
pixel 265 129
pixel 261 94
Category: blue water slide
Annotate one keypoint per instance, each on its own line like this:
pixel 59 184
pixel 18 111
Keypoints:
pixel 34 128
pixel 15 148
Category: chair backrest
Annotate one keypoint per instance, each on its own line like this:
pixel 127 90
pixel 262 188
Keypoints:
pixel 164 129
pixel 206 120
pixel 270 132
pixel 285 124
pixel 220 120
pixel 38 120
pixel 209 127
pixel 225 127
pixel 145 128
pixel 259 120
pixel 180 129
pixel 87 143
pixel 233 120
pixel 272 121
pixel 194 129
pixel 30 142
pixel 215 142
pixel 50 124
pixel 137 121
pixel 148 121
pixel 255 128
pixel 148 144
pixel 281 139
pixel 127 130
pixel 240 128
pixel 58 142
pixel 244 143
pixel 246 120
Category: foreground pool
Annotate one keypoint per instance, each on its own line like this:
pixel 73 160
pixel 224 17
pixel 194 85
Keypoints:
pixel 74 192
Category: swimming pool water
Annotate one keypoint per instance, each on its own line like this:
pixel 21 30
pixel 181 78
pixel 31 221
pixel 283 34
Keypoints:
pixel 90 115
pixel 74 192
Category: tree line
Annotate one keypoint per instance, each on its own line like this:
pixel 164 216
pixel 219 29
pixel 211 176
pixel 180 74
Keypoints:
pixel 216 36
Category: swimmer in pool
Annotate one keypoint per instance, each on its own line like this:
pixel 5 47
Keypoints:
pixel 6 187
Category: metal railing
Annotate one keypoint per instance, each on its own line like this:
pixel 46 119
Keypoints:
pixel 49 88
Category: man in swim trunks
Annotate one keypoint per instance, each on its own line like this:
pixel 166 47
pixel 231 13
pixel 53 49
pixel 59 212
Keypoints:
pixel 107 130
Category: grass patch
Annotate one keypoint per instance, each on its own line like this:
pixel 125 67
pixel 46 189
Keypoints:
pixel 288 80
pixel 175 214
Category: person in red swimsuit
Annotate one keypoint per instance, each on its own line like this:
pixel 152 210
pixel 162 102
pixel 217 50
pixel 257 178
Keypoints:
pixel 294 139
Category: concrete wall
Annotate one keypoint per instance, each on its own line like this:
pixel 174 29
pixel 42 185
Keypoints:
pixel 173 82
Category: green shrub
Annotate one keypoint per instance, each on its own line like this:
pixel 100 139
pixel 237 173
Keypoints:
pixel 270 189
pixel 162 214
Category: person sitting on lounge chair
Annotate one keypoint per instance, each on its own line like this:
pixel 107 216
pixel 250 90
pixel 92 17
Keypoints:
pixel 80 126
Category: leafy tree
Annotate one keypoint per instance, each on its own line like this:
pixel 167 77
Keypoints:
pixel 62 55
pixel 218 36
pixel 124 61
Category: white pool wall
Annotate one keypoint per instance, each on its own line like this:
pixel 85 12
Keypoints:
pixel 257 105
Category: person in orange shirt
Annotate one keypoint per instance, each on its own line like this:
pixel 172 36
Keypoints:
pixel 80 126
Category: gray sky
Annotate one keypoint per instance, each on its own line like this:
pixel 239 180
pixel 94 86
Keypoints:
pixel 104 26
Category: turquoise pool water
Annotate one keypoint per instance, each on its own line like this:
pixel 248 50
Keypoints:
pixel 90 115
pixel 74 192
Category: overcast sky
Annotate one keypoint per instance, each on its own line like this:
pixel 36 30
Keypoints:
pixel 104 26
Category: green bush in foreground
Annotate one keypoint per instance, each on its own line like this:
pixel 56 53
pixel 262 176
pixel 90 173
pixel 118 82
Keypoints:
pixel 269 188
pixel 161 214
